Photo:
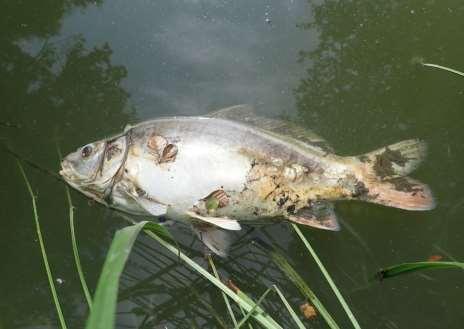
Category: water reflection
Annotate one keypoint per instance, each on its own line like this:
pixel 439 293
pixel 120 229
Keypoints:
pixel 364 78
pixel 364 88
pixel 51 90
pixel 50 84
pixel 158 289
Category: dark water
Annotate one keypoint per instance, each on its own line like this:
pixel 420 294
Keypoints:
pixel 74 71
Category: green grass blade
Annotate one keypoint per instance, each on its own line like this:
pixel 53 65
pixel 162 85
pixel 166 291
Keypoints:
pixel 256 307
pixel 298 281
pixel 444 68
pixel 416 266
pixel 243 313
pixel 265 319
pixel 42 249
pixel 289 308
pixel 226 299
pixel 76 251
pixel 102 315
pixel 207 305
pixel 328 278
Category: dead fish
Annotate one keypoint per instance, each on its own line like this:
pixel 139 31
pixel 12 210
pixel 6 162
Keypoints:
pixel 233 166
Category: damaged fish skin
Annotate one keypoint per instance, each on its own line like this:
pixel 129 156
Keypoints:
pixel 271 192
pixel 211 167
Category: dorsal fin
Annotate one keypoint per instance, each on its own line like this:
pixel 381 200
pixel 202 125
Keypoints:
pixel 319 214
pixel 245 113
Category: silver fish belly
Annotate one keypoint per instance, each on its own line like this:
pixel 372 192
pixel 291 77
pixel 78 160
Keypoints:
pixel 200 167
pixel 249 167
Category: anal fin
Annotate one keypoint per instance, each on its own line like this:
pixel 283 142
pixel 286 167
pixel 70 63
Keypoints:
pixel 216 239
pixel 319 214
pixel 143 200
pixel 222 222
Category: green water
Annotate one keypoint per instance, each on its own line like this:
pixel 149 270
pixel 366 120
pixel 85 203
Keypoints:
pixel 74 71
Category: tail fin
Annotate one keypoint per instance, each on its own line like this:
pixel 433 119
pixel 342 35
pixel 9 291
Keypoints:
pixel 383 174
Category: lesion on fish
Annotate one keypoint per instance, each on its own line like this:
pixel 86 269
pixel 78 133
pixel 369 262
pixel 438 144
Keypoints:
pixel 283 188
pixel 212 202
pixel 276 185
pixel 155 143
pixel 158 148
pixel 169 153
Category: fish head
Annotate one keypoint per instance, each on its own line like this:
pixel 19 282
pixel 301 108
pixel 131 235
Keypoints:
pixel 81 166
pixel 91 168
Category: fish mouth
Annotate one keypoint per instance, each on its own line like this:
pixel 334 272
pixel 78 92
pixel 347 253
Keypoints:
pixel 65 168
pixel 72 178
pixel 67 171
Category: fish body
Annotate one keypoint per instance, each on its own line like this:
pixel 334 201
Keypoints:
pixel 216 154
pixel 233 166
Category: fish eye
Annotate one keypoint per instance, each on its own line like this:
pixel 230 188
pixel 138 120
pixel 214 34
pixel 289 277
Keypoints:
pixel 86 151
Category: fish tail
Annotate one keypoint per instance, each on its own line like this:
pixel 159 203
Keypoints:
pixel 383 177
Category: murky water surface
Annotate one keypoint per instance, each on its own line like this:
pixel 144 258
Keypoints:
pixel 73 71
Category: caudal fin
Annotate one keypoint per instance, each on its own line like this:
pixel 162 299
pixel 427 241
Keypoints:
pixel 383 173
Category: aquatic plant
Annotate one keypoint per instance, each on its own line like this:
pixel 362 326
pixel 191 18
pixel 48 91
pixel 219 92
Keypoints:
pixel 403 268
pixel 103 314
pixel 441 67
pixel 42 248
pixel 77 260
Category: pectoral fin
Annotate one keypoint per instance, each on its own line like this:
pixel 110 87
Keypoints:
pixel 216 239
pixel 153 207
pixel 222 222
pixel 319 215
pixel 148 203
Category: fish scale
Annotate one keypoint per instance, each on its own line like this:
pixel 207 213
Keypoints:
pixel 232 166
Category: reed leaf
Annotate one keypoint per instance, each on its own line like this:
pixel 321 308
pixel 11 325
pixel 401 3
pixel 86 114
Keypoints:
pixel 75 249
pixel 226 299
pixel 247 304
pixel 256 308
pixel 403 268
pixel 327 276
pixel 102 315
pixel 298 281
pixel 290 310
pixel 42 249
pixel 444 68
